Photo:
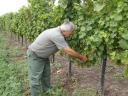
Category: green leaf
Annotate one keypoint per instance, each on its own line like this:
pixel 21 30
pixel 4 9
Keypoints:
pixel 113 24
pixel 89 28
pixel 123 44
pixel 98 6
pixel 125 36
pixel 118 17
pixel 83 28
pixel 113 54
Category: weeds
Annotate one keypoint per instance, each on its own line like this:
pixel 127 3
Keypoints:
pixel 11 76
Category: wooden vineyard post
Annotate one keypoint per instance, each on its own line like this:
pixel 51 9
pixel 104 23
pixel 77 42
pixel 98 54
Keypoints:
pixel 104 63
pixel 22 40
pixel 70 68
pixel 26 43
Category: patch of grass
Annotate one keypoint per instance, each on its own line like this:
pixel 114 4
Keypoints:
pixel 85 92
pixel 57 65
pixel 12 76
pixel 13 73
pixel 119 76
pixel 56 91
pixel 125 72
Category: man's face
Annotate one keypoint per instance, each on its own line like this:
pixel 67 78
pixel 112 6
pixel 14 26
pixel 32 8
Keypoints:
pixel 67 34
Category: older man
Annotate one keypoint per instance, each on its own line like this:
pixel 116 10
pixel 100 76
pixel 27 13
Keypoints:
pixel 46 44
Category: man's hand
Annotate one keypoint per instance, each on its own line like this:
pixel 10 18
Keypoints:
pixel 83 58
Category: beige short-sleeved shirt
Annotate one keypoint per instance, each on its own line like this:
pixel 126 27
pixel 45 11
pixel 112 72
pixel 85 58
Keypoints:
pixel 48 43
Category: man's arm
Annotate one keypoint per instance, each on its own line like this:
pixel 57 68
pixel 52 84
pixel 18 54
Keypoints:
pixel 75 54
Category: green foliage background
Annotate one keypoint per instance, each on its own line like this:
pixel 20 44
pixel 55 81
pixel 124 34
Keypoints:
pixel 98 22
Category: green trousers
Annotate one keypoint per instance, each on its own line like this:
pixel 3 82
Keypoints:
pixel 39 73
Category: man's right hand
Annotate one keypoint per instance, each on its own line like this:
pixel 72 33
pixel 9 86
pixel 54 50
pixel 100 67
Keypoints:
pixel 83 58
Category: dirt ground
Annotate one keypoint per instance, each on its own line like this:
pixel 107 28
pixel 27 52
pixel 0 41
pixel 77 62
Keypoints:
pixel 83 80
pixel 88 79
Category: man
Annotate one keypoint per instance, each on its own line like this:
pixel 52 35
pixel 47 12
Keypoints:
pixel 46 44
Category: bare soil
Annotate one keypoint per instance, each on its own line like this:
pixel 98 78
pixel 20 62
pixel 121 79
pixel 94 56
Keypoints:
pixel 88 79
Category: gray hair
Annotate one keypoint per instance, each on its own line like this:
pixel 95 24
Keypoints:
pixel 67 27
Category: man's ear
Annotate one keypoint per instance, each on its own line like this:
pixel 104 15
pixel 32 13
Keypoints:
pixel 63 33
